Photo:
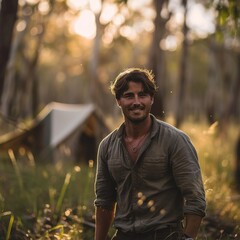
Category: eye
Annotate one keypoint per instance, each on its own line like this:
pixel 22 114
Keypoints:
pixel 143 94
pixel 128 95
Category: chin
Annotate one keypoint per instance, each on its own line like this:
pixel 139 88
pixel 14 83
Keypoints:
pixel 137 120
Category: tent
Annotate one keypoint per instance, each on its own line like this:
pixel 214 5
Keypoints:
pixel 69 131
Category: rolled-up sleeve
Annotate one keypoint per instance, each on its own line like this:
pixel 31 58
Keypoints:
pixel 188 177
pixel 104 185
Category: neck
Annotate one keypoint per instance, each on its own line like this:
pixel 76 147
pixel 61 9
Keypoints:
pixel 137 130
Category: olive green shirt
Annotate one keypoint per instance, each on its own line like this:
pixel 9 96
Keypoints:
pixel 156 190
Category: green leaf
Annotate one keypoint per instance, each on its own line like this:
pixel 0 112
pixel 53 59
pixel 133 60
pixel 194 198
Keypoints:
pixel 223 14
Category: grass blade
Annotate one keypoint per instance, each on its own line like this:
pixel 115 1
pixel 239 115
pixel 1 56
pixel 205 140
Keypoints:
pixel 10 227
pixel 63 191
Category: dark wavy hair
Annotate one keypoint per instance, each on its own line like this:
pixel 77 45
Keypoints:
pixel 144 76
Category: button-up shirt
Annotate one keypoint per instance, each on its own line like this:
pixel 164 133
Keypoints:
pixel 157 189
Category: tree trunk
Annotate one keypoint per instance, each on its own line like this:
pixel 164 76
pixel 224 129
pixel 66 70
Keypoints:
pixel 213 81
pixel 8 17
pixel 27 104
pixel 94 81
pixel 11 84
pixel 234 94
pixel 182 76
pixel 237 168
pixel 156 59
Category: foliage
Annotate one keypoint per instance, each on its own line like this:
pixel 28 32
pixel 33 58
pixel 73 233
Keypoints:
pixel 50 61
pixel 46 200
pixel 217 156
pixel 228 20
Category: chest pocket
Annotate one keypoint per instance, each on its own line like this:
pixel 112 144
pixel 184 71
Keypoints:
pixel 117 170
pixel 155 167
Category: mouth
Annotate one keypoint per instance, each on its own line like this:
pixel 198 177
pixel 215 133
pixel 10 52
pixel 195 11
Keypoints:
pixel 136 110
pixel 139 108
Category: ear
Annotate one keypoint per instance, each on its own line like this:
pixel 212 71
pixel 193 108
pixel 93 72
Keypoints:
pixel 152 100
pixel 118 102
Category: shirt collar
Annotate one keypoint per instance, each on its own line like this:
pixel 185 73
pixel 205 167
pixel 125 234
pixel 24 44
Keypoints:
pixel 153 131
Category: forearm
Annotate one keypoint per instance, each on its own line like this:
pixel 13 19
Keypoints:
pixel 192 225
pixel 104 218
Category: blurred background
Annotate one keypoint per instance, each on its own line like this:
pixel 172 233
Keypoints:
pixel 69 51
pixel 57 59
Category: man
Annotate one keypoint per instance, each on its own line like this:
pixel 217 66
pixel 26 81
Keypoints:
pixel 148 176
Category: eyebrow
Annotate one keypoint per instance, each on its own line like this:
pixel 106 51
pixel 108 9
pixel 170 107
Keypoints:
pixel 130 93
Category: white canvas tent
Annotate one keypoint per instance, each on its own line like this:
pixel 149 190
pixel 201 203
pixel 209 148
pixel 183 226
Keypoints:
pixel 65 119
pixel 54 125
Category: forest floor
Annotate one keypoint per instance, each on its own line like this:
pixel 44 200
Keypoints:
pixel 215 228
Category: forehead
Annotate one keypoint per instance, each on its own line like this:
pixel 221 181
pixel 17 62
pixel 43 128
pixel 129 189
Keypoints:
pixel 134 86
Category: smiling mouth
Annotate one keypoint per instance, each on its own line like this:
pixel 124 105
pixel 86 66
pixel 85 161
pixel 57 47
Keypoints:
pixel 136 108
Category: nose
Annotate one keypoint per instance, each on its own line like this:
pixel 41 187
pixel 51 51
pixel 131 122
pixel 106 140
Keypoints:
pixel 136 102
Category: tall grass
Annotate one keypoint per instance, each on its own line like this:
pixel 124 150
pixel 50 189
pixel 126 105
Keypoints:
pixel 54 200
pixel 44 198
pixel 217 157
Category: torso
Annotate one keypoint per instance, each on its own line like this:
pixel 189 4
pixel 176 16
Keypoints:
pixel 134 145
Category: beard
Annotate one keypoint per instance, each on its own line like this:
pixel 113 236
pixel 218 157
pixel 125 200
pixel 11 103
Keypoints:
pixel 136 119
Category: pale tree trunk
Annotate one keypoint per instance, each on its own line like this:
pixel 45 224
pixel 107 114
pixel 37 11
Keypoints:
pixel 156 61
pixel 11 83
pixel 29 101
pixel 182 72
pixel 8 17
pixel 25 81
pixel 94 80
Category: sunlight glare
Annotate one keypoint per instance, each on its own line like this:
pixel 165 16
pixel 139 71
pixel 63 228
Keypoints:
pixel 108 35
pixel 137 4
pixel 128 32
pixel 21 25
pixel 95 5
pixel 32 2
pixel 169 43
pixel 44 7
pixel 108 12
pixel 118 20
pixel 201 20
pixel 76 5
pixel 20 3
pixel 84 25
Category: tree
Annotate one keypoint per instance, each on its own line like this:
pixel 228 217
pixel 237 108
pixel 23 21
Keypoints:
pixel 156 60
pixel 22 82
pixel 182 71
pixel 227 39
pixel 8 17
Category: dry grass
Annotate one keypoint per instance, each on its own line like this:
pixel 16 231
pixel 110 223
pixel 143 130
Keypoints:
pixel 217 158
pixel 58 198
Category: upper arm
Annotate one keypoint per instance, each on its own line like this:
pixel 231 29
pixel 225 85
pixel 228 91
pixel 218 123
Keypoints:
pixel 187 175
pixel 104 184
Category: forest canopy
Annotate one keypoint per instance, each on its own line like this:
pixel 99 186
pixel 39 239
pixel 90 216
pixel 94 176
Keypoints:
pixel 69 51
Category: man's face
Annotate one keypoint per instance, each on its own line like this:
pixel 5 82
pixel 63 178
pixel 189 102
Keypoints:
pixel 135 103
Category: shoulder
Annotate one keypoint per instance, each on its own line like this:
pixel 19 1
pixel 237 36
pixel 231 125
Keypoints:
pixel 108 144
pixel 167 128
pixel 169 133
pixel 110 139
